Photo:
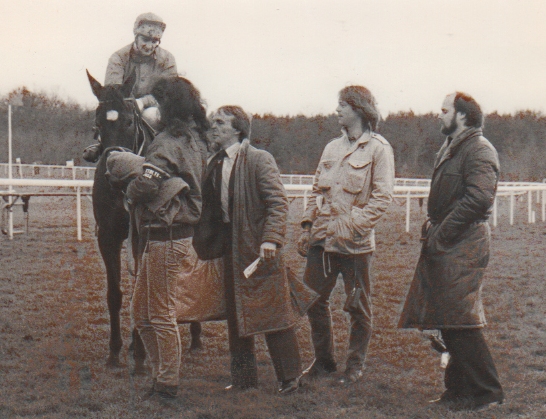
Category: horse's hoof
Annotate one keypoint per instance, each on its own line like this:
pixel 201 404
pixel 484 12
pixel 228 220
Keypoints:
pixel 196 346
pixel 140 369
pixel 113 363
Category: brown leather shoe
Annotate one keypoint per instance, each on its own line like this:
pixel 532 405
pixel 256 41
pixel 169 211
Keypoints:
pixel 164 391
pixel 351 375
pixel 235 388
pixel 318 369
pixel 150 392
pixel 464 403
pixel 445 399
pixel 290 386
pixel 485 406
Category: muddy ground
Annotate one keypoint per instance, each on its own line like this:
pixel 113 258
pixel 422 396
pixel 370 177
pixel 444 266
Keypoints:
pixel 54 333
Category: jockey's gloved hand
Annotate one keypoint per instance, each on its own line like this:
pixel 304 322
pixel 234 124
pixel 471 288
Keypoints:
pixel 146 101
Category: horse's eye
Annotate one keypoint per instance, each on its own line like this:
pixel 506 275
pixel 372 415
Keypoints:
pixel 129 122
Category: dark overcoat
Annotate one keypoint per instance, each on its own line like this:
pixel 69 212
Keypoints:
pixel 447 285
pixel 260 209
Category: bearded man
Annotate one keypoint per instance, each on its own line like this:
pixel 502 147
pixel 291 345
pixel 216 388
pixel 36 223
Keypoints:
pixel 446 290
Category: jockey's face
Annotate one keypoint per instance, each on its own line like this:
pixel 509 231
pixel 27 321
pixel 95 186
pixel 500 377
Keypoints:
pixel 146 45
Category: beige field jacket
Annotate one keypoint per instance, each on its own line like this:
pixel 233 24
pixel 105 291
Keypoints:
pixel 352 189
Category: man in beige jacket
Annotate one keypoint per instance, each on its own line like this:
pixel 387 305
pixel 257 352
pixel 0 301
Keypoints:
pixel 352 189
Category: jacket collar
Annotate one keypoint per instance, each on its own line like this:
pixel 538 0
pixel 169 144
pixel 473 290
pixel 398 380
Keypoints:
pixel 241 148
pixel 450 145
pixel 363 139
pixel 233 149
pixel 136 57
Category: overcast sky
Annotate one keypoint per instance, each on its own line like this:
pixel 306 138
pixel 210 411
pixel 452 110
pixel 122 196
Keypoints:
pixel 293 56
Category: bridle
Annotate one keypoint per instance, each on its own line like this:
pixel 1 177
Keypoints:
pixel 143 132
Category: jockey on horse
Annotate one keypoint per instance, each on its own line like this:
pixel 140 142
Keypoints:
pixel 138 66
pixel 148 61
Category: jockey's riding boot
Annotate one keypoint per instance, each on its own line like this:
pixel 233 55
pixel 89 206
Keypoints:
pixel 92 153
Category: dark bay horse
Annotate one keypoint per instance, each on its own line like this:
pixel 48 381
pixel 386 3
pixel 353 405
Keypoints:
pixel 118 124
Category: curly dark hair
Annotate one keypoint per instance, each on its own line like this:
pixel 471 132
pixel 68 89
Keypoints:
pixel 466 104
pixel 180 103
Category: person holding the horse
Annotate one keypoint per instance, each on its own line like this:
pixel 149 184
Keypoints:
pixel 352 189
pixel 174 164
pixel 144 60
pixel 244 218
pixel 446 291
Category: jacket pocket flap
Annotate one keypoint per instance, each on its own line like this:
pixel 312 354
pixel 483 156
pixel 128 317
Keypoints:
pixel 359 164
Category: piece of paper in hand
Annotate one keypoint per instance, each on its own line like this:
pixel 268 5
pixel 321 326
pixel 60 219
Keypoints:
pixel 251 268
pixel 444 359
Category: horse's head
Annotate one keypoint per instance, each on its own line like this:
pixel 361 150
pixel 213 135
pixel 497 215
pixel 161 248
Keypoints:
pixel 115 117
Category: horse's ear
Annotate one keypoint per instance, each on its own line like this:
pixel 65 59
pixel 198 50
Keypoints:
pixel 96 87
pixel 127 87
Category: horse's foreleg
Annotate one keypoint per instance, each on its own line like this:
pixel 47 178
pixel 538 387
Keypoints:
pixel 195 331
pixel 110 250
pixel 139 353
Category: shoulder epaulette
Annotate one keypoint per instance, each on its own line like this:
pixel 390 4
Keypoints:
pixel 380 138
pixel 334 139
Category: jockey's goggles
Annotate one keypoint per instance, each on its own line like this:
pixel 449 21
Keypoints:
pixel 149 39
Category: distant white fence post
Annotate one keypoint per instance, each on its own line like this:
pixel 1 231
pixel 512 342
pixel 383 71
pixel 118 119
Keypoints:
pixel 543 206
pixel 19 166
pixel 10 175
pixel 530 207
pixel 408 211
pixel 512 199
pixel 79 212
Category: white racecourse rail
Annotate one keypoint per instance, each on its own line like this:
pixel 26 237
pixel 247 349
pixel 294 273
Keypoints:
pixel 409 189
pixel 297 186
